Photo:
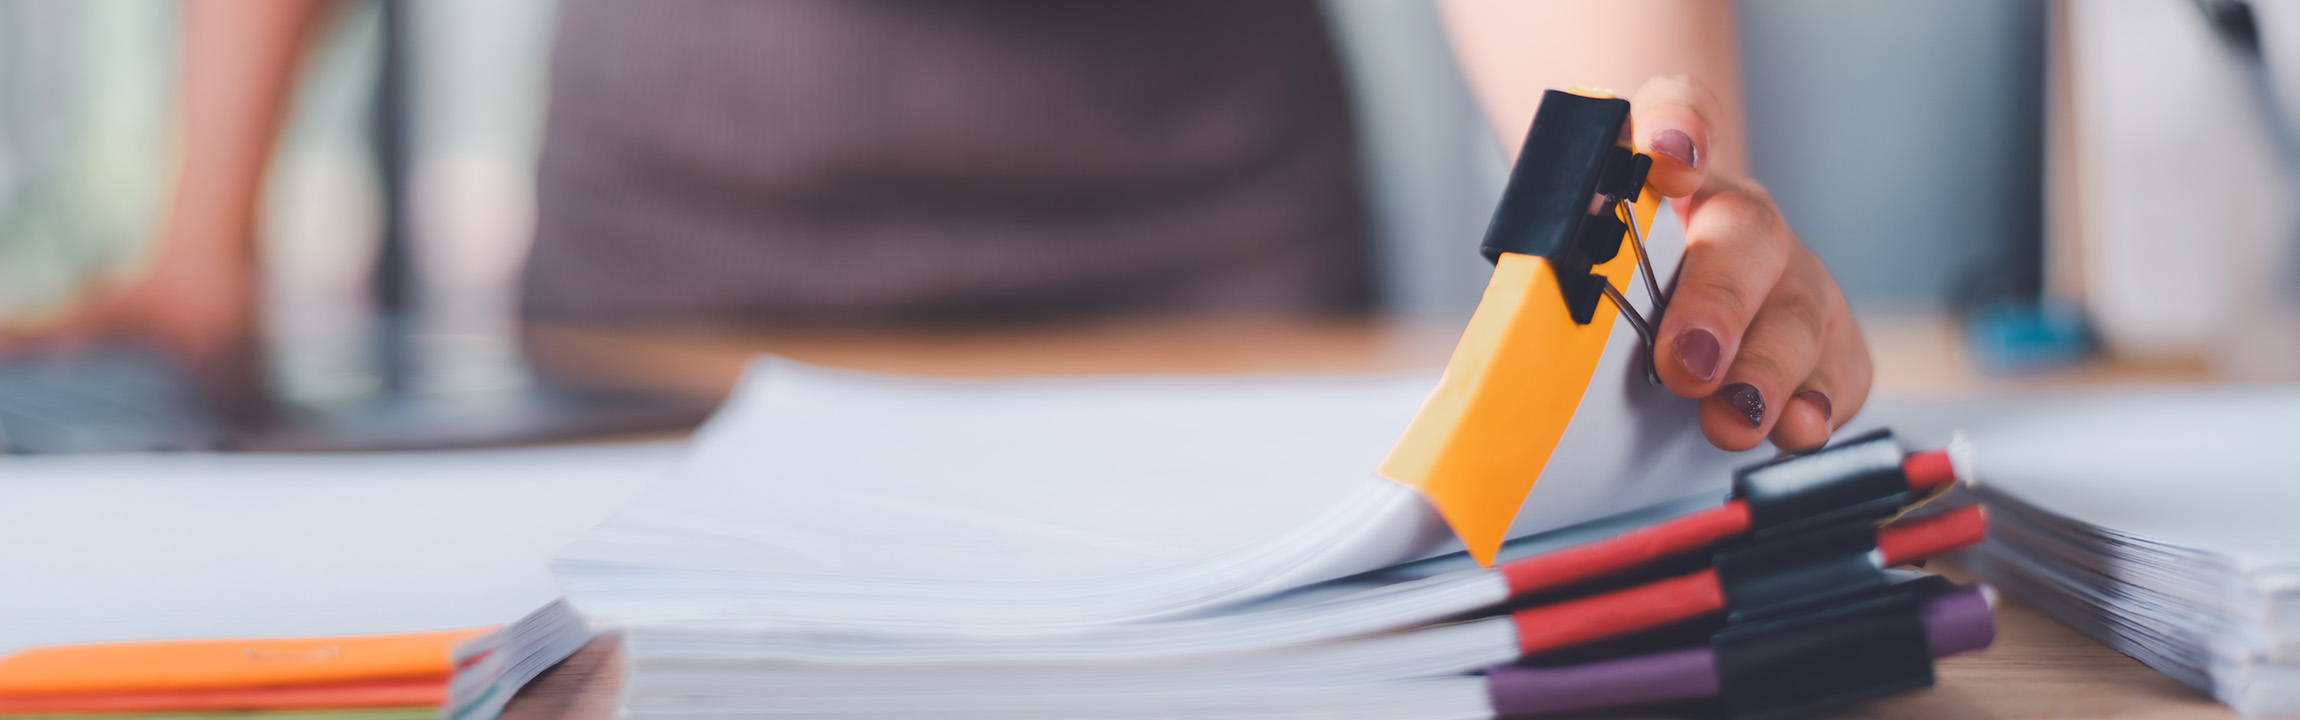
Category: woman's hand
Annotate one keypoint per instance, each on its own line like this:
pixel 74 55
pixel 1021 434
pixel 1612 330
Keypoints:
pixel 200 313
pixel 1756 329
pixel 197 309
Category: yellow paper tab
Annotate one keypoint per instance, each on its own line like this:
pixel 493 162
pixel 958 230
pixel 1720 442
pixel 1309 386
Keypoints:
pixel 1484 436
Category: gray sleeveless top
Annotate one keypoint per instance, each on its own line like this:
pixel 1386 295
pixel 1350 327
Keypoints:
pixel 930 160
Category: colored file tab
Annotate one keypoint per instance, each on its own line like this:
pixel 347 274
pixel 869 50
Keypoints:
pixel 428 693
pixel 407 713
pixel 1480 443
pixel 208 665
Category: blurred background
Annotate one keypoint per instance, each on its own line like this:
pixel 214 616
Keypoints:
pixel 2018 187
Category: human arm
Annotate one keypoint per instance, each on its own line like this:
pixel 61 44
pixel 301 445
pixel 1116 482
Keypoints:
pixel 195 296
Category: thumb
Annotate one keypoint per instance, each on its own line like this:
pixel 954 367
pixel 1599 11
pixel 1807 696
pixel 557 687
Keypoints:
pixel 1670 119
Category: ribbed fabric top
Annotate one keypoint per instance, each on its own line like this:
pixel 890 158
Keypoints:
pixel 959 159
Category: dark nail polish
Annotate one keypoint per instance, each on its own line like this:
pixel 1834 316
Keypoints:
pixel 1679 146
pixel 1745 398
pixel 1697 352
pixel 1822 399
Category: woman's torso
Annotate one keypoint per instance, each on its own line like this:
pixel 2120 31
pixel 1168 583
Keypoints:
pixel 915 160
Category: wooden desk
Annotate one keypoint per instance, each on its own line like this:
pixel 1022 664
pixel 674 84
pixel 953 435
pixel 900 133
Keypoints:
pixel 2038 668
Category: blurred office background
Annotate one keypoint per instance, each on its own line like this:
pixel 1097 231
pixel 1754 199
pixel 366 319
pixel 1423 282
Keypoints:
pixel 1907 140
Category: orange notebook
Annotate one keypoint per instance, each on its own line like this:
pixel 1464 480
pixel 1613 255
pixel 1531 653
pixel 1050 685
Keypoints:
pixel 366 671
pixel 428 692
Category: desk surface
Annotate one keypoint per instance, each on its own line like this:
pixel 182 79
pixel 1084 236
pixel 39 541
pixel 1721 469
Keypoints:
pixel 2038 668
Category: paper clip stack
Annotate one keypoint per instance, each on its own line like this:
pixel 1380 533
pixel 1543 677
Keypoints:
pixel 1794 608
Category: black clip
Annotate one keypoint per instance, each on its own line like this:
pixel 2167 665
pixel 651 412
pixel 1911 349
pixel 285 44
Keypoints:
pixel 1855 479
pixel 1570 199
pixel 1777 577
pixel 1847 653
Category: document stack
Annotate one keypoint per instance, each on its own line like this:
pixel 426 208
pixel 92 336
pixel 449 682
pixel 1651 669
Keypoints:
pixel 322 587
pixel 851 545
pixel 2160 523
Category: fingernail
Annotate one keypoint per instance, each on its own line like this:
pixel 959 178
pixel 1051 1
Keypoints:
pixel 1822 399
pixel 1697 352
pixel 1678 145
pixel 1745 398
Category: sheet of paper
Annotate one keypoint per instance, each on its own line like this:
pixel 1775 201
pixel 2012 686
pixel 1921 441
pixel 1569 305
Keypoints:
pixel 819 472
pixel 159 547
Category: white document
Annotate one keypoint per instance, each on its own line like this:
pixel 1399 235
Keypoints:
pixel 159 547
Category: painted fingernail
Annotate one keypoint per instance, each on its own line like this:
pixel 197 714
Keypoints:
pixel 1697 352
pixel 1678 145
pixel 1821 399
pixel 1745 398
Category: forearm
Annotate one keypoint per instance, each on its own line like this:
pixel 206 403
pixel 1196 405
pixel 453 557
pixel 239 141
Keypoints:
pixel 1512 50
pixel 237 73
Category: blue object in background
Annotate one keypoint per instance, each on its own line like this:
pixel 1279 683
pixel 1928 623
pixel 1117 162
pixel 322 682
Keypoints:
pixel 2011 337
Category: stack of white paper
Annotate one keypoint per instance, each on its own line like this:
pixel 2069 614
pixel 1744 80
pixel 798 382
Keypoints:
pixel 113 548
pixel 2161 523
pixel 1134 546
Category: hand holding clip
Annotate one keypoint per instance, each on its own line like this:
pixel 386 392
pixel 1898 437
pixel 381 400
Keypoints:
pixel 1756 327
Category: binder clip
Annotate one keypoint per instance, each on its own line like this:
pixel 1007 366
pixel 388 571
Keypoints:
pixel 1797 604
pixel 1851 648
pixel 1863 478
pixel 1863 648
pixel 1570 198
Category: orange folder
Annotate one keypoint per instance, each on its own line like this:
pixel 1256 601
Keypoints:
pixel 366 666
pixel 429 692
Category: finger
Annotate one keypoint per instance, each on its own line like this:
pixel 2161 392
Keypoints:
pixel 1838 387
pixel 1779 352
pixel 1828 400
pixel 1671 120
pixel 1736 247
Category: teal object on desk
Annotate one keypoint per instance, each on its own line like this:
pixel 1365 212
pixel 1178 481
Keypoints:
pixel 2011 338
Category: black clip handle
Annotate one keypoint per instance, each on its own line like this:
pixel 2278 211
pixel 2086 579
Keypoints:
pixel 1570 199
pixel 1856 478
pixel 1792 665
pixel 1776 577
